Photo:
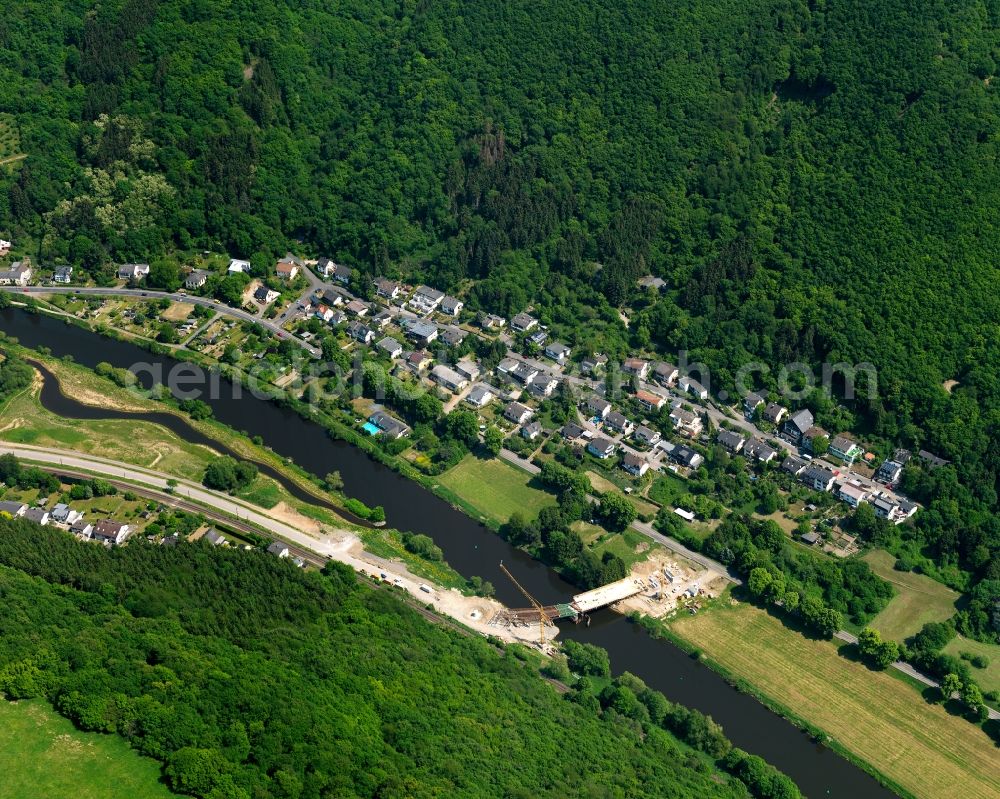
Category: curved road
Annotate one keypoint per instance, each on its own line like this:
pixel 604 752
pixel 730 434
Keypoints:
pixel 205 302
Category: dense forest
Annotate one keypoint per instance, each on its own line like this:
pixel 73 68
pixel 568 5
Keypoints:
pixel 248 677
pixel 814 181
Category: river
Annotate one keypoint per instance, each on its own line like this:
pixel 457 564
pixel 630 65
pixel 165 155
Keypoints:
pixel 473 549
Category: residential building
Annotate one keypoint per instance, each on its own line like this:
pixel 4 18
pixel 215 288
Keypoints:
pixel 82 529
pixel 134 272
pixel 852 494
pixel 452 306
pixel 333 297
pixel 108 531
pixel 426 299
pixel 238 266
pixel 598 407
pixel 480 396
pixel 452 336
pixel 845 449
pixel 418 360
pixel 602 448
pixel 390 347
pixel 543 385
pixel 338 318
pixel 810 538
pixel 326 268
pixel 342 274
pixel 62 274
pixel 279 549
pixel 194 280
pixel 592 364
pixel 651 282
pixel 889 472
pixel 389 425
pixel 686 422
pixel 931 460
pixel 731 440
pixel 636 465
pixel 884 507
pixel 517 413
pixel 774 413
pixel 360 332
pixel 810 435
pixel 13 509
pixel 387 289
pixel 420 331
pixel 637 367
pixel 448 378
pixel 531 431
pixel 693 387
pixel 760 451
pixel 817 477
pixel 323 312
pixel 214 537
pixel 664 373
pixel 18 275
pixel 647 435
pixel 5 247
pixel 64 514
pixel 357 308
pixel 467 369
pixel 492 322
pixel 687 457
pixel 538 338
pixel 382 319
pixel 524 372
pixel 794 465
pixel 265 296
pixel 571 431
pixel 619 423
pixel 523 322
pixel 797 425
pixel 752 402
pixel 288 267
pixel 650 400
pixel 557 351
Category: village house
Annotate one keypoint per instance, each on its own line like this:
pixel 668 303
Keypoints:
pixel 650 400
pixel 390 427
pixel 13 509
pixel 133 272
pixel 845 449
pixel 693 387
pixel 618 423
pixel 468 369
pixel 524 372
pixel 543 385
pixel 538 338
pixel 531 431
pixel 637 367
pixel 491 321
pixel 752 402
pixel 278 549
pixel 452 336
pixel 39 516
pixel 523 323
pixel 326 267
pixel 425 299
pixel 5 247
pixel 731 440
pixel 448 378
pixel 931 460
pixel 390 347
pixel 194 280
pixel 664 373
pixel 602 448
pixel 797 425
pixel 62 274
pixel 852 493
pixel 64 514
pixel 517 413
pixel 774 413
pixel 323 312
pixel 420 331
pixel 759 450
pixel 381 320
pixel 360 332
pixel 635 465
pixel 557 351
pixel 82 529
pixel 387 289
pixel 357 308
pixel 265 296
pixel 342 274
pixel 333 297
pixel 810 436
pixel 687 457
pixel 598 407
pixel 571 431
pixel 593 364
pixel 686 422
pixel 214 537
pixel 451 306
pixel 647 435
pixel 889 472
pixel 288 267
pixel 238 266
pixel 110 532
pixel 794 465
pixel 817 477
pixel 418 360
pixel 18 275
pixel 480 396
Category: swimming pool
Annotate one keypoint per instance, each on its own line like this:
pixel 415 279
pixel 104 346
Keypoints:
pixel 371 429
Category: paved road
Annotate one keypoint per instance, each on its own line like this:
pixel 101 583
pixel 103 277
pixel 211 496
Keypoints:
pixel 218 307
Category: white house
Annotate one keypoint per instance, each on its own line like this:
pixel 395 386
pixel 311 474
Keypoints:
pixel 238 266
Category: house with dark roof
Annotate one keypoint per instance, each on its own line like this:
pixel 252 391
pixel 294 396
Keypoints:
pixel 557 351
pixel 531 431
pixel 389 426
pixel 619 423
pixel 602 448
pixel 797 425
pixel 452 306
pixel 693 387
pixel 686 422
pixel 523 322
pixel 194 280
pixel 517 413
pixel 387 289
pixel 731 440
pixel 278 549
pixel 592 364
pixel 452 336
pixel 652 282
pixel 598 406
pixel 571 431
pixel 794 465
pixel 265 296
pixel 811 435
pixel 931 460
pixel 420 331
pixel 665 374
pixel 480 396
pixel 390 347
pixel 14 509
pixel 760 451
pixel 634 464
pixel 491 321
pixel 817 477
pixel 133 272
pixel 342 274
pixel 62 274
pixel 751 402
pixel 108 531
pixel 357 308
pixel 39 516
pixel 646 436
pixel 686 456
pixel 214 537
pixel 418 360
pixel 360 332
pixel 845 449
pixel 889 472
pixel 524 372
pixel 774 413
pixel 637 367
pixel 426 299
pixel 543 385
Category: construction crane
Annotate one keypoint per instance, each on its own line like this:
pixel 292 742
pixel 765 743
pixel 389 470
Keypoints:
pixel 543 617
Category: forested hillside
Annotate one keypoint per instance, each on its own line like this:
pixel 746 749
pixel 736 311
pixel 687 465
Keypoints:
pixel 815 181
pixel 249 678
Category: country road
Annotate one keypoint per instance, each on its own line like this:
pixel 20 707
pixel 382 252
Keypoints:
pixel 205 302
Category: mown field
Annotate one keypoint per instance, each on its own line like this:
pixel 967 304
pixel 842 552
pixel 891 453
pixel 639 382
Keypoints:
pixel 42 756
pixel 877 717
pixel 988 678
pixel 495 488
pixel 918 600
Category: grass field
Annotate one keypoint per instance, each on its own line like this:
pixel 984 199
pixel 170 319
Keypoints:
pixel 602 484
pixel 42 755
pixel 918 600
pixel 495 488
pixel 879 718
pixel 988 678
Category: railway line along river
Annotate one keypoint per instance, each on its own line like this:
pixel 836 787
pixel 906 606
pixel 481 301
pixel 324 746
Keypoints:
pixel 472 548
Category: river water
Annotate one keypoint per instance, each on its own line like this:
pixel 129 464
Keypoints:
pixel 473 549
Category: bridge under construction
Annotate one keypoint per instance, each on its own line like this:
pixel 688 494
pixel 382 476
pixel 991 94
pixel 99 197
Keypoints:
pixel 579 607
